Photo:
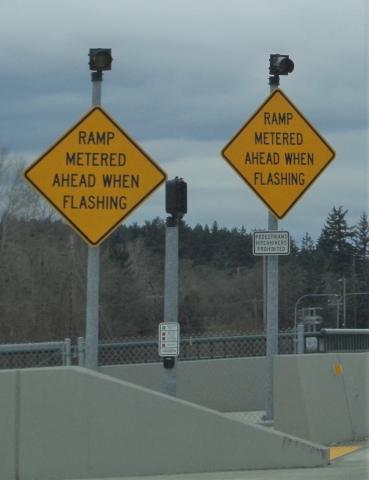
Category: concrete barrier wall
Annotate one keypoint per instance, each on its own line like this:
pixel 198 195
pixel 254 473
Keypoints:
pixel 312 400
pixel 233 384
pixel 9 423
pixel 322 398
pixel 64 423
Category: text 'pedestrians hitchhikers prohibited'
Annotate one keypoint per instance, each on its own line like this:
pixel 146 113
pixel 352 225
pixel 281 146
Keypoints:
pixel 271 243
pixel 95 175
pixel 278 153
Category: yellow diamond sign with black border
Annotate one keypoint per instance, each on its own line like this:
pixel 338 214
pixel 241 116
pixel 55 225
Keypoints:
pixel 95 175
pixel 278 153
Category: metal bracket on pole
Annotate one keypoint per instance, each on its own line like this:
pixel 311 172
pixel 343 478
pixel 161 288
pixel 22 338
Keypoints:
pixel 273 82
pixel 96 77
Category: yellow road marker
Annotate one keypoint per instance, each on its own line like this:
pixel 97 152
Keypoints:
pixel 336 452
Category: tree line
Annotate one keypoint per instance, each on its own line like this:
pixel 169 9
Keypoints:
pixel 43 281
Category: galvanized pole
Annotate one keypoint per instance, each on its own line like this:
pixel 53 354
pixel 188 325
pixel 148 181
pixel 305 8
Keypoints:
pixel 344 301
pixel 300 339
pixel 264 291
pixel 272 304
pixel 169 385
pixel 93 269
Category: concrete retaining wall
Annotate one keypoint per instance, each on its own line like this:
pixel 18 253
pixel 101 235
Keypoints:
pixel 233 384
pixel 9 423
pixel 63 423
pixel 312 401
pixel 322 398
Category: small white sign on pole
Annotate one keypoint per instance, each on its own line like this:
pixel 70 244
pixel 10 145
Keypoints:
pixel 168 339
pixel 271 243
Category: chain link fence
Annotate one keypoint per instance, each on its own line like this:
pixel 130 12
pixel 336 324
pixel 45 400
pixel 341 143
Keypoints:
pixel 129 351
pixel 43 354
pixel 192 347
pixel 139 350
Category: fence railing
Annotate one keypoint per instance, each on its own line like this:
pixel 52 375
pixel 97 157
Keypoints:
pixel 337 340
pixel 130 351
pixel 43 354
pixel 193 348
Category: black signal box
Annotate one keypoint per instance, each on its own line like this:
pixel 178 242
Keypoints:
pixel 176 197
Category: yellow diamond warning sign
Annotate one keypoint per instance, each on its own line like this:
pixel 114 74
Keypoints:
pixel 278 153
pixel 95 175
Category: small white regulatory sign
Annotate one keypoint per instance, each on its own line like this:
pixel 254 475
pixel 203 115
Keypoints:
pixel 271 243
pixel 169 339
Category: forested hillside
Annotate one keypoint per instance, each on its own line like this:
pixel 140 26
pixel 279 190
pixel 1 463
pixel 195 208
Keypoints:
pixel 43 281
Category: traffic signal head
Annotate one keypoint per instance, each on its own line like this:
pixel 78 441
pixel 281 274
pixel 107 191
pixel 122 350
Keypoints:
pixel 176 197
pixel 280 64
pixel 100 59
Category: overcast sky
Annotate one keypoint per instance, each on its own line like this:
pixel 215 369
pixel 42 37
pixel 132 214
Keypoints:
pixel 187 74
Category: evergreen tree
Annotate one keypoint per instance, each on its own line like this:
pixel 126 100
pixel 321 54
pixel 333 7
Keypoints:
pixel 153 234
pixel 361 256
pixel 307 244
pixel 334 244
pixel 336 234
pixel 361 236
pixel 309 265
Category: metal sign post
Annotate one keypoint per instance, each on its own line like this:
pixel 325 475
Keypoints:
pixel 170 302
pixel 272 305
pixel 93 270
pixel 176 206
pixel 95 175
pixel 279 154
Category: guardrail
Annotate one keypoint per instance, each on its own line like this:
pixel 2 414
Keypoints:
pixel 345 339
pixel 335 340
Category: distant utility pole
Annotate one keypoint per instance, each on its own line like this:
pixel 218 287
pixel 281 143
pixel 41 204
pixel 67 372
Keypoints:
pixel 100 59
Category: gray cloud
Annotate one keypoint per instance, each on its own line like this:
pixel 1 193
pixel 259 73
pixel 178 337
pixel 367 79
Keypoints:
pixel 186 75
